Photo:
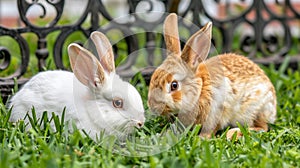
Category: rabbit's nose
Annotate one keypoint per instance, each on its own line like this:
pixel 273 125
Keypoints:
pixel 140 124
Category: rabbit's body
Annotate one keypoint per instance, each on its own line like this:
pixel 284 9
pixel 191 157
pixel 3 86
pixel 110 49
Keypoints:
pixel 238 91
pixel 94 97
pixel 44 91
pixel 217 92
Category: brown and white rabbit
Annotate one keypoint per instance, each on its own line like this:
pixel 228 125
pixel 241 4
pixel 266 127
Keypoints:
pixel 217 92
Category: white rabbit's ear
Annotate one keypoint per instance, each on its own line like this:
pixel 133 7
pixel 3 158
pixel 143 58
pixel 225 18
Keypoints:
pixel 171 34
pixel 85 66
pixel 104 50
pixel 197 47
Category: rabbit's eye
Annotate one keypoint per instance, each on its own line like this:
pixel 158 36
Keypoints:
pixel 117 102
pixel 174 85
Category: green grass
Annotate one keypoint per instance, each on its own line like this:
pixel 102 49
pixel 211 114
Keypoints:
pixel 40 146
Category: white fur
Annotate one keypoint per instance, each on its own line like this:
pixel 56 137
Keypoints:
pixel 51 91
pixel 220 94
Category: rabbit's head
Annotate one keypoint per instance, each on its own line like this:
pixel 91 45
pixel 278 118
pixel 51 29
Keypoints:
pixel 175 85
pixel 107 102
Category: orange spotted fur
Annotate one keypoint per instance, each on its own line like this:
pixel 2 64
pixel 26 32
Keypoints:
pixel 217 92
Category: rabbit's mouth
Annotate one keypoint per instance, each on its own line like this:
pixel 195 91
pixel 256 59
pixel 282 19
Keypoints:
pixel 129 126
pixel 172 117
pixel 159 109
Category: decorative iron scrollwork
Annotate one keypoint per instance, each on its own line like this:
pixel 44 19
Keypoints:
pixel 24 6
pixel 4 58
pixel 6 54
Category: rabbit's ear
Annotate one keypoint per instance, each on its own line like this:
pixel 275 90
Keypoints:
pixel 104 50
pixel 85 66
pixel 171 34
pixel 197 47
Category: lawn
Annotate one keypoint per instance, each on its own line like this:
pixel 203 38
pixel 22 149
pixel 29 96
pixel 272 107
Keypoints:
pixel 42 147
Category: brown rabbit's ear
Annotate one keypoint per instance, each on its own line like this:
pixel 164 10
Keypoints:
pixel 104 50
pixel 197 47
pixel 171 34
pixel 85 66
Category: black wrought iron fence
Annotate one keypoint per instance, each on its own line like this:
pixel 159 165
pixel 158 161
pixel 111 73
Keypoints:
pixel 265 31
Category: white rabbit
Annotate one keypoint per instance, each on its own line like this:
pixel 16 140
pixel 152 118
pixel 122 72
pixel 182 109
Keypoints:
pixel 95 97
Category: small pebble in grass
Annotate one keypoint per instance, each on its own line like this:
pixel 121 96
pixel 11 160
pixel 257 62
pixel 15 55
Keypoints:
pixel 78 153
